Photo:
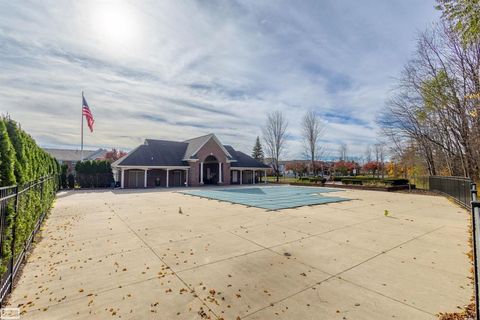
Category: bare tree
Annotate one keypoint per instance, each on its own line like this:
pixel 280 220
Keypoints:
pixel 368 154
pixel 312 129
pixel 274 136
pixel 343 152
pixel 430 107
pixel 380 158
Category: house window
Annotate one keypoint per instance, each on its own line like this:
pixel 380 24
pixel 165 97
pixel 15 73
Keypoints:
pixel 234 176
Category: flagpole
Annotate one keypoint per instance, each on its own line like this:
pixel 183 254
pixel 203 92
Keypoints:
pixel 81 148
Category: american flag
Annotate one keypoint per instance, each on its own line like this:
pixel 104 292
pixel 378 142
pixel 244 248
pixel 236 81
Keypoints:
pixel 87 113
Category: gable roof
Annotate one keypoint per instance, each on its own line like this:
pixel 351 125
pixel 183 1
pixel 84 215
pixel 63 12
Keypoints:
pixel 243 160
pixel 156 153
pixel 195 144
pixel 165 153
pixel 75 155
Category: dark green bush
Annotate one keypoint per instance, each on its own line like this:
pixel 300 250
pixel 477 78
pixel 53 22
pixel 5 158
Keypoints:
pixel 71 181
pixel 339 178
pixel 370 181
pixel 352 181
pixel 22 162
pixel 94 174
pixel 63 177
pixel 397 181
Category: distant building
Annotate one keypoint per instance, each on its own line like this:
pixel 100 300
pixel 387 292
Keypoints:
pixel 70 157
pixel 194 162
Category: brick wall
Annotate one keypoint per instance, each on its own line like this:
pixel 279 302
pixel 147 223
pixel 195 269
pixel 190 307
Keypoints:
pixel 210 148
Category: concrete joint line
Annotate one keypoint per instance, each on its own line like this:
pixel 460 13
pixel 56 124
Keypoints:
pixel 160 258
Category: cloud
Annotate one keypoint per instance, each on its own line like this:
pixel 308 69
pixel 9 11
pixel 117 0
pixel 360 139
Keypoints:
pixel 180 69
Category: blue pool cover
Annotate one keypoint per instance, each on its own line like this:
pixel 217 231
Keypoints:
pixel 270 198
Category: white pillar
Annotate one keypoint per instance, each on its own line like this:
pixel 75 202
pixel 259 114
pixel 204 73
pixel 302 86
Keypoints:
pixel 186 177
pixel 167 177
pixel 265 175
pixel 201 172
pixel 253 174
pixel 241 176
pixel 122 182
pixel 220 172
pixel 145 179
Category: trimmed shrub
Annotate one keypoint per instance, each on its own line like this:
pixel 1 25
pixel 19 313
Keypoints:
pixel 375 182
pixel 352 181
pixel 22 162
pixel 313 180
pixel 94 174
pixel 71 181
pixel 63 177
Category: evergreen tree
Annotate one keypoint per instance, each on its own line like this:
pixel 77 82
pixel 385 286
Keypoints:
pixel 22 162
pixel 257 152
pixel 17 140
pixel 7 157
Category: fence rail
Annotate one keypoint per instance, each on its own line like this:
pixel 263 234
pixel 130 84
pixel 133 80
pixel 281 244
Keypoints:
pixel 458 188
pixel 464 192
pixel 475 207
pixel 10 198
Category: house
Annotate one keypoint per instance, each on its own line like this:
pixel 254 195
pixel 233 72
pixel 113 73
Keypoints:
pixel 195 162
pixel 70 157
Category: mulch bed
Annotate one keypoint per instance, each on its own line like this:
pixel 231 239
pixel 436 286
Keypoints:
pixel 348 186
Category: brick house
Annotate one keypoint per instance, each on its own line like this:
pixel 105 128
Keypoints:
pixel 195 162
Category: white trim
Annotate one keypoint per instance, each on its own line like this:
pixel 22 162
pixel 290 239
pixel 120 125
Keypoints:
pixel 220 167
pixel 217 141
pixel 201 172
pixel 145 179
pixel 122 182
pixel 153 167
pixel 167 176
pixel 191 160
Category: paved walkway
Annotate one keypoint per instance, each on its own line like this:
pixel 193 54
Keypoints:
pixel 165 255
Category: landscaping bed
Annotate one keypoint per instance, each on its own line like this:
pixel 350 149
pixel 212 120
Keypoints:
pixel 362 187
pixel 360 183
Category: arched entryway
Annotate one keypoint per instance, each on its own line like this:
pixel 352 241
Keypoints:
pixel 210 170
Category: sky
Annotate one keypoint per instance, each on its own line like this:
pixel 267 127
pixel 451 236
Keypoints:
pixel 179 69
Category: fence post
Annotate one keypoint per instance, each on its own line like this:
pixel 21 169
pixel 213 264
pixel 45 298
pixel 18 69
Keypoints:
pixel 475 207
pixel 12 259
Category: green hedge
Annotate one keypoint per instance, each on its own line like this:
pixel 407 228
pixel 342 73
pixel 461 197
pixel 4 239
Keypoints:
pixel 23 162
pixel 339 178
pixel 94 174
pixel 370 181
pixel 312 179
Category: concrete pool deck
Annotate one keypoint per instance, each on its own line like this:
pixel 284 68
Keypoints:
pixel 164 255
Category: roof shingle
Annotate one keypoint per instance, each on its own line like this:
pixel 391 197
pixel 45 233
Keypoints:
pixel 158 153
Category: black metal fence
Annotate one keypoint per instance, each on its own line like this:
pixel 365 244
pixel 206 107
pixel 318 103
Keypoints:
pixel 475 207
pixel 464 192
pixel 10 199
pixel 458 188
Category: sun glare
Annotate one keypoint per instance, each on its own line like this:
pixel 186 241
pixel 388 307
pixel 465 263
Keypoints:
pixel 115 25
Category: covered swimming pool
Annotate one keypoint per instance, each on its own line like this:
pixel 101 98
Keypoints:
pixel 271 198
